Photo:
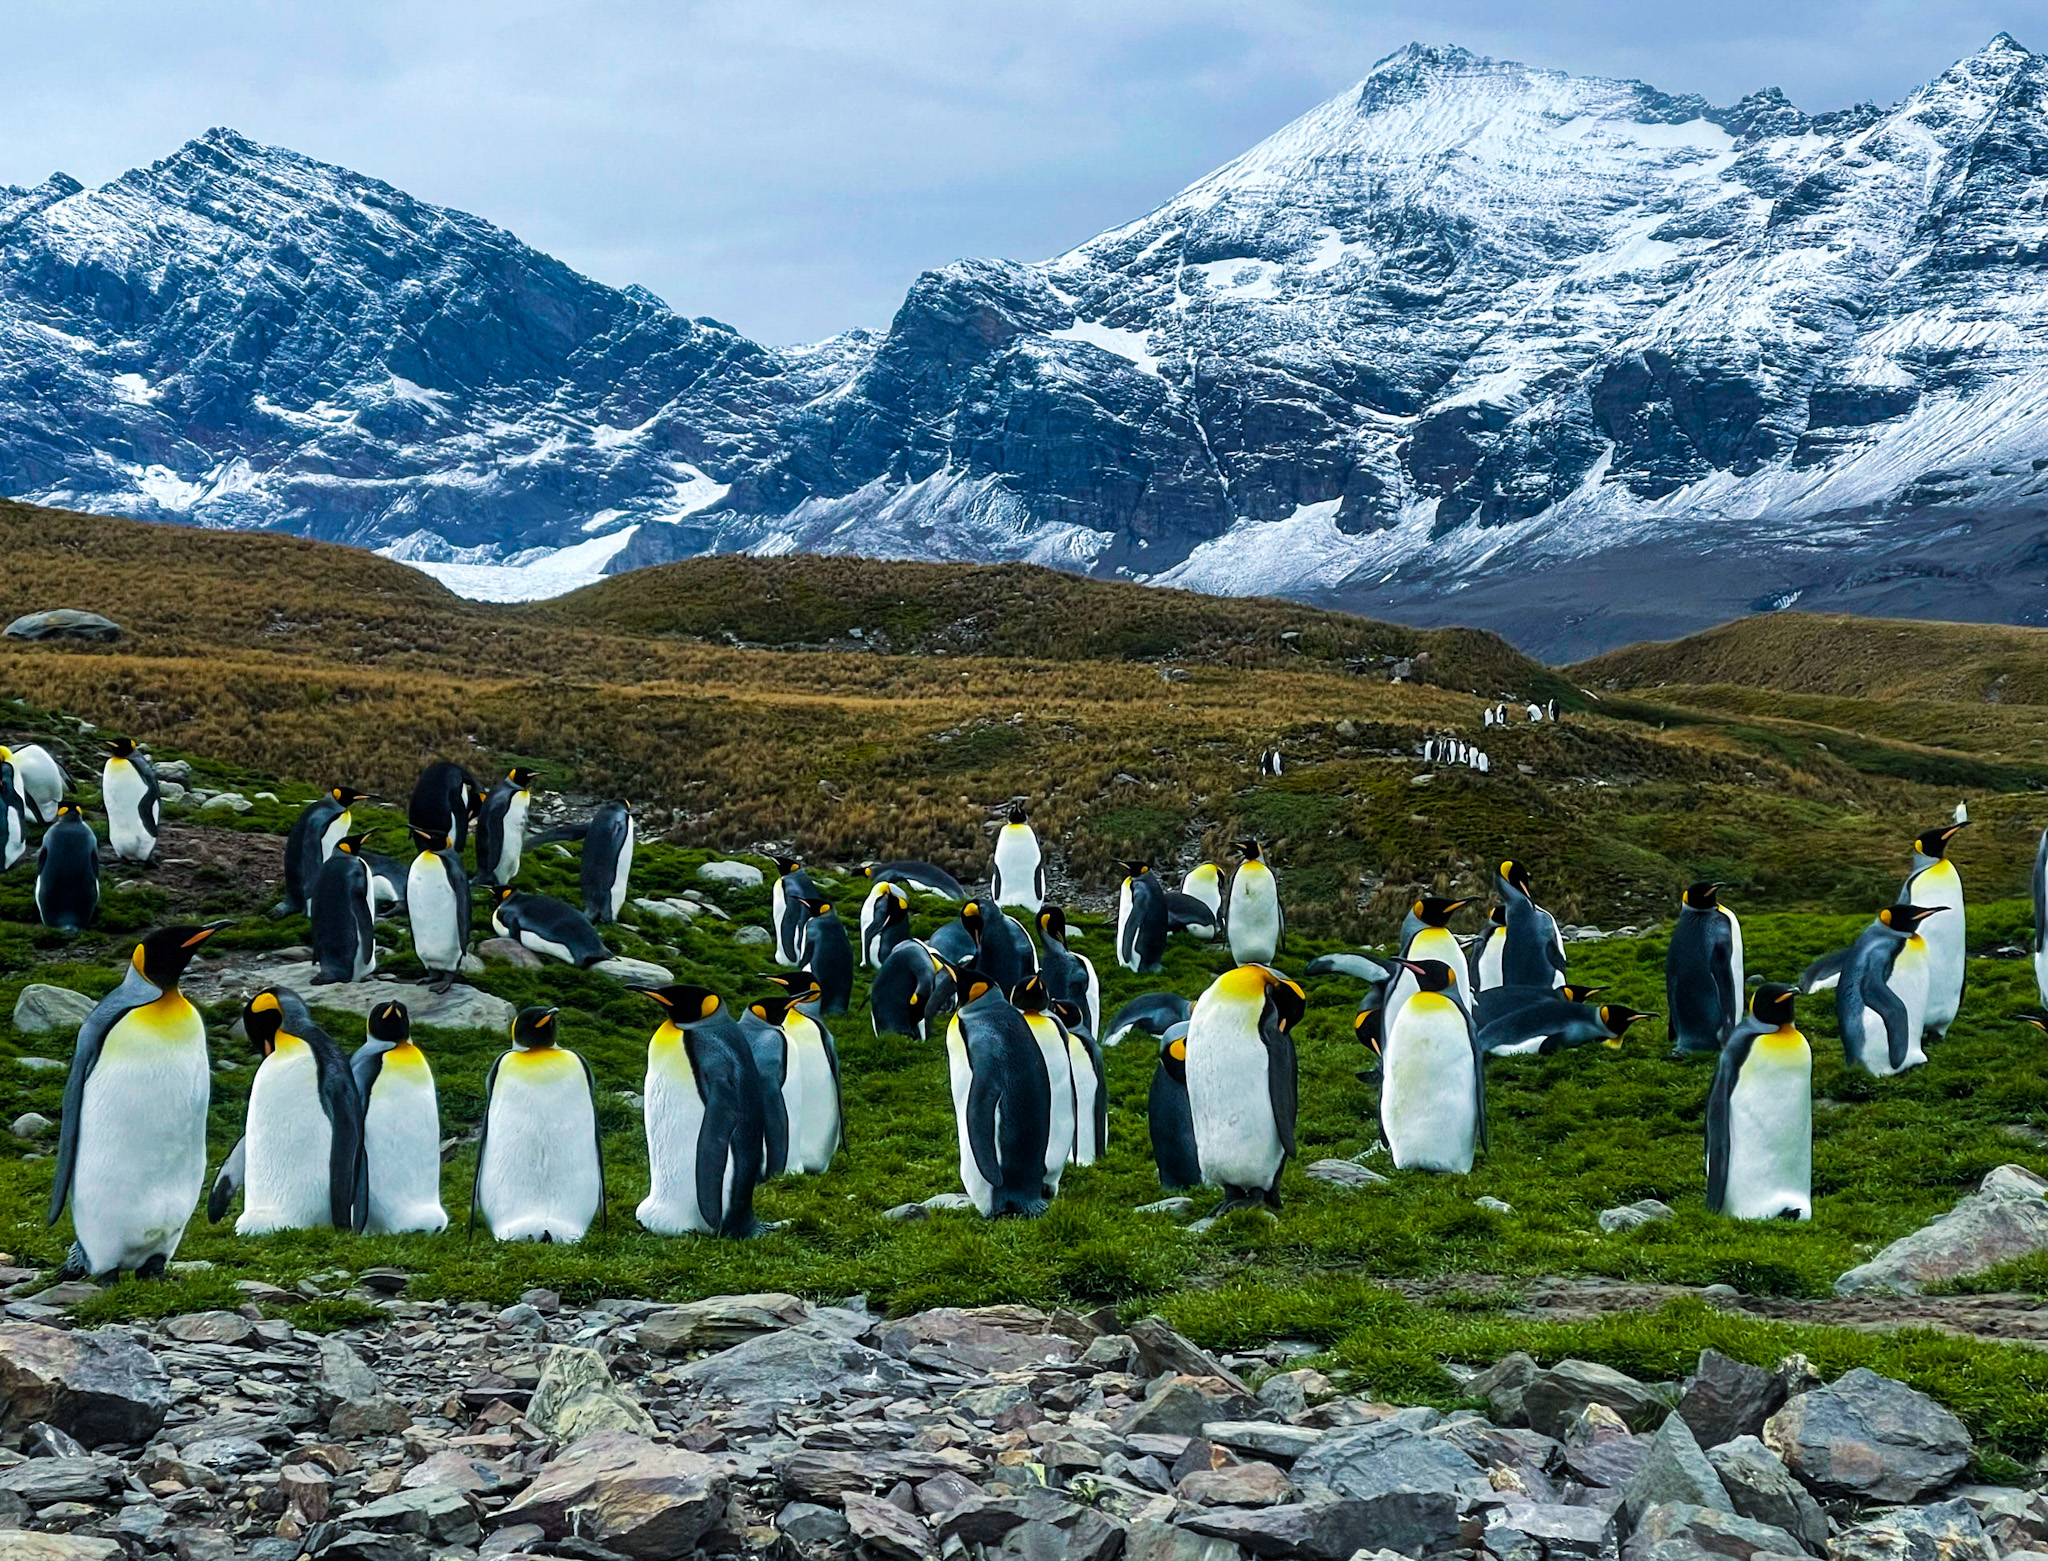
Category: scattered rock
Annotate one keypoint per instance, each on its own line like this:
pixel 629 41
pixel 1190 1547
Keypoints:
pixel 439 1513
pixel 1342 1173
pixel 351 1396
pixel 1263 1437
pixel 720 1322
pixel 1556 1395
pixel 576 1397
pixel 64 623
pixel 1502 1385
pixel 1412 1523
pixel 626 1493
pixel 641 973
pixel 210 1328
pixel 797 1365
pixel 32 1124
pixel 1948 1531
pixel 1761 1488
pixel 1181 1405
pixel 227 802
pixel 1868 1438
pixel 1674 1471
pixel 21 1545
pixel 991 1338
pixel 1550 1531
pixel 459 1008
pixel 505 951
pixel 1724 1399
pixel 739 875
pixel 50 1010
pixel 1631 1215
pixel 1251 1484
pixel 1178 1208
pixel 1390 1455
pixel 887 1530
pixel 2005 1219
pixel 1497 1205
pixel 98 1385
pixel 1678 1531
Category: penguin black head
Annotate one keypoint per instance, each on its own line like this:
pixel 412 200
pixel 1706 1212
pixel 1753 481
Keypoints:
pixel 1367 1025
pixel 345 795
pixel 1431 975
pixel 1935 842
pixel 1173 1053
pixel 800 985
pixel 535 1028
pixel 1052 921
pixel 1070 1013
pixel 772 1010
pixel 1017 815
pixel 1618 1017
pixel 785 865
pixel 895 903
pixel 1433 911
pixel 429 839
pixel 1266 984
pixel 1907 918
pixel 968 982
pixel 817 907
pixel 389 1022
pixel 2038 1021
pixel 519 775
pixel 1496 915
pixel 1578 994
pixel 686 1005
pixel 1030 995
pixel 351 845
pixel 1514 875
pixel 161 957
pixel 971 919
pixel 121 747
pixel 1702 897
pixel 262 1018
pixel 70 810
pixel 1772 1004
pixel 1249 850
pixel 502 892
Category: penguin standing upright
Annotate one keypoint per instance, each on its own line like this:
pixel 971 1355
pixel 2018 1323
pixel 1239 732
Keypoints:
pixel 322 824
pixel 1244 1082
pixel 1880 984
pixel 302 1164
pixel 1018 877
pixel 129 793
pixel 1532 953
pixel 1002 1101
pixel 1483 956
pixel 2041 918
pixel 1703 980
pixel 444 801
pixel 1141 919
pixel 131 1155
pixel 1935 882
pixel 344 916
pixel 437 900
pixel 905 995
pixel 40 779
pixel 607 861
pixel 1254 922
pixel 817 1130
pixel 547 926
pixel 786 913
pixel 828 955
pixel 705 1127
pixel 781 1087
pixel 1068 976
pixel 68 873
pixel 539 1158
pixel 401 1124
pixel 13 816
pixel 1032 1000
pixel 1433 1093
pixel 884 923
pixel 995 945
pixel 1167 1116
pixel 1425 935
pixel 1760 1116
pixel 501 826
pixel 1091 1089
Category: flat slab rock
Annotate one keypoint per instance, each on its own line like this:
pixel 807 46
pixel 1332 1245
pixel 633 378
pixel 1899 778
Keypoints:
pixel 626 1493
pixel 459 1008
pixel 2005 1219
pixel 63 623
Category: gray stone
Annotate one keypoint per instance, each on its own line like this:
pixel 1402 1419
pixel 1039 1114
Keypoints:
pixel 797 1365
pixel 508 951
pixel 2005 1219
pixel 1342 1173
pixel 719 1322
pixel 1502 1386
pixel 807 1523
pixel 1150 1539
pixel 50 1010
pixel 42 1064
pixel 1413 1523
pixel 459 1008
pixel 1599 1448
pixel 641 973
pixel 623 1492
pixel 63 623
pixel 1181 1405
pixel 1678 1531
pixel 1556 1395
pixel 888 1531
pixel 227 802
pixel 1673 1471
pixel 226 1454
pixel 351 1395
pixel 1375 1459
pixel 577 1396
pixel 1868 1438
pixel 1724 1399
pixel 1162 1349
pixel 1250 1484
pixel 1760 1487
pixel 1263 1437
pixel 1631 1216
pixel 1948 1531
pixel 739 875
pixel 984 1339
pixel 32 1125
pixel 433 1512
pixel 42 1480
pixel 1542 1531
pixel 210 1328
pixel 21 1545
pixel 752 936
pixel 99 1385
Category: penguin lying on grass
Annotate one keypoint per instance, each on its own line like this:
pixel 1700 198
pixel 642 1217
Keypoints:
pixel 547 926
pixel 922 875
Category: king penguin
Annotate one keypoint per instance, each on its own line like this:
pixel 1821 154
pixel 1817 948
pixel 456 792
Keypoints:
pixel 1532 953
pixel 607 862
pixel 401 1124
pixel 1018 877
pixel 1880 984
pixel 129 793
pixel 705 1128
pixel 131 1155
pixel 1254 923
pixel 1934 881
pixel 1426 935
pixel 1032 1001
pixel 437 900
pixel 1484 954
pixel 906 993
pixel 344 916
pixel 1760 1116
pixel 1002 1101
pixel 1069 977
pixel 1141 919
pixel 781 1086
pixel 547 926
pixel 444 803
pixel 933 880
pixel 501 826
pixel 539 1159
pixel 13 815
pixel 2041 918
pixel 68 873
pixel 1433 1091
pixel 1171 1124
pixel 827 955
pixel 302 1165
pixel 884 923
pixel 1244 1082
pixel 1204 885
pixel 1153 1013
pixel 786 913
pixel 818 1130
pixel 1091 1088
pixel 322 824
pixel 40 778
pixel 1703 981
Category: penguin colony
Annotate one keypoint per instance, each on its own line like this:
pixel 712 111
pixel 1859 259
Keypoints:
pixel 734 1096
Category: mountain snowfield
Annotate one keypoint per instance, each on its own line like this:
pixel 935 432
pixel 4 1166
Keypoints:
pixel 1568 357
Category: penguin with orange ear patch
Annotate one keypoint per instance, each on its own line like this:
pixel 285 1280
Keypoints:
pixel 705 1125
pixel 344 915
pixel 1244 1082
pixel 1166 1111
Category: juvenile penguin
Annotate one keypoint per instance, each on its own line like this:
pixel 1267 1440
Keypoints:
pixel 1069 977
pixel 1703 981
pixel 129 793
pixel 1760 1116
pixel 1880 984
pixel 1254 923
pixel 1433 1096
pixel 1244 1082
pixel 1032 1000
pixel 828 955
pixel 131 1155
pixel 401 1124
pixel 933 880
pixel 884 923
pixel 344 916
pixel 1483 955
pixel 68 873
pixel 607 862
pixel 444 802
pixel 1018 877
pixel 1167 1116
pixel 302 1150
pixel 1935 882
pixel 1426 935
pixel 1204 885
pixel 904 996
pixel 786 913
pixel 322 824
pixel 547 926
pixel 1002 1101
pixel 1532 953
pixel 817 1130
pixel 1141 919
pixel 501 826
pixel 539 1158
pixel 705 1127
pixel 40 779
pixel 437 898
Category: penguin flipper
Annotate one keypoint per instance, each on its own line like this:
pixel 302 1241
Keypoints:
pixel 774 1135
pixel 714 1148
pixel 483 1134
pixel 85 1056
pixel 348 1186
pixel 1719 1100
pixel 2041 894
pixel 982 1098
pixel 1483 1134
pixel 366 1066
pixel 1359 966
pixel 1899 1038
pixel 1283 1081
pixel 1825 971
pixel 838 1087
pixel 1722 966
pixel 604 1217
pixel 228 1182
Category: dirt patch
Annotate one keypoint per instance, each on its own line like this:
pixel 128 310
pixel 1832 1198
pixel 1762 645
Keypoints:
pixel 209 872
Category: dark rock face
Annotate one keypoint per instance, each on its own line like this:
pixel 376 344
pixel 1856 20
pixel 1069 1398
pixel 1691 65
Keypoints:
pixel 98 1387
pixel 1868 1438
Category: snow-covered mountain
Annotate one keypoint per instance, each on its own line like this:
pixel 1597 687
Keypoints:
pixel 1560 355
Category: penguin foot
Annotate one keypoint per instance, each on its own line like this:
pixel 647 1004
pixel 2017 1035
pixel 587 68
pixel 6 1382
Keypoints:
pixel 76 1264
pixel 153 1267
pixel 329 981
pixel 282 909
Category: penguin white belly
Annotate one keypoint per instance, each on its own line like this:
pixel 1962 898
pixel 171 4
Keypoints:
pixel 431 906
pixel 123 792
pixel 1947 939
pixel 1123 917
pixel 870 921
pixel 1735 954
pixel 1489 959
pixel 366 941
pixel 1087 1147
pixel 335 832
pixel 1429 1095
pixel 2041 976
pixel 1438 943
pixel 289 1139
pixel 1016 870
pixel 14 829
pixel 1770 1133
pixel 1528 1048
pixel 814 1120
pixel 980 1191
pixel 1237 1142
pixel 674 1114
pixel 1059 1073
pixel 1094 995
pixel 1254 915
pixel 540 1173
pixel 41 780
pixel 528 938
pixel 142 1137
pixel 512 841
pixel 402 1141
pixel 622 870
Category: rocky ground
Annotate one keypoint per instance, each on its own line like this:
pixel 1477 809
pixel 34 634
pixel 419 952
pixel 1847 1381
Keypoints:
pixel 766 1425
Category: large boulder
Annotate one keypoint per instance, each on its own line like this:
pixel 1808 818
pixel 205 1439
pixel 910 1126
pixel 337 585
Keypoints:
pixel 1760 1487
pixel 1503 1384
pixel 1548 1531
pixel 1868 1438
pixel 719 1322
pixel 459 1008
pixel 1725 1398
pixel 985 1339
pixel 64 623
pixel 1947 1531
pixel 1554 1397
pixel 796 1365
pixel 1413 1523
pixel 2006 1218
pixel 626 1493
pixel 1679 1531
pixel 577 1396
pixel 98 1385
pixel 42 1009
pixel 1181 1405
pixel 352 1396
pixel 1673 1471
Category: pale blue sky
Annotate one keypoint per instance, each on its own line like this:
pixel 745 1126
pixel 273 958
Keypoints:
pixel 789 167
